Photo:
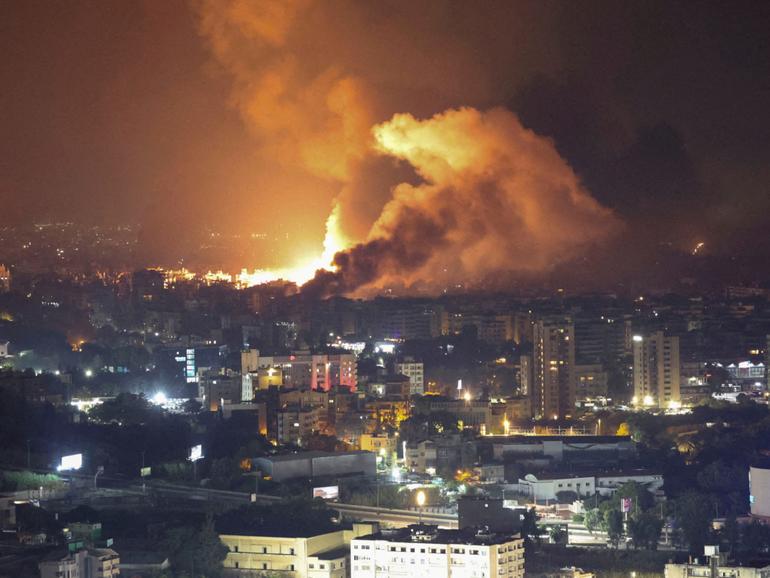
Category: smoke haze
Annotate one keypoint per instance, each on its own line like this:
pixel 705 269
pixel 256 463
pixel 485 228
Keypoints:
pixel 251 123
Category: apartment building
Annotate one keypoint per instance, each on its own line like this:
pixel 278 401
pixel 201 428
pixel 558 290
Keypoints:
pixel 425 551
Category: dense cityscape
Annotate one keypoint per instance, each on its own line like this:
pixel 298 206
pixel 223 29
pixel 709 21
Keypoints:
pixel 347 289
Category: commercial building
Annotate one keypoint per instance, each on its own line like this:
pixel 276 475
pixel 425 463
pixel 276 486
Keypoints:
pixel 316 464
pixel 749 376
pixel 656 370
pixel 425 551
pixel 554 368
pixel 307 556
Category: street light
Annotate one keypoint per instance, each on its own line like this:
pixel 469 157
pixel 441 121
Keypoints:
pixel 420 499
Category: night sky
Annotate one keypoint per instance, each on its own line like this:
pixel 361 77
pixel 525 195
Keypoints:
pixel 258 117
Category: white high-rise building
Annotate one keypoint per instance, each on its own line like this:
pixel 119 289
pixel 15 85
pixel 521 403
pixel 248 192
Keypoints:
pixel 656 370
pixel 424 551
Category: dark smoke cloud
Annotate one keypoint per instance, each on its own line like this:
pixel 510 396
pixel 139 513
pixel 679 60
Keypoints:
pixel 495 199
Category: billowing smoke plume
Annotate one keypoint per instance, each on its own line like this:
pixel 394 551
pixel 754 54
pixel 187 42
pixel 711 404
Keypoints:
pixel 457 198
pixel 496 198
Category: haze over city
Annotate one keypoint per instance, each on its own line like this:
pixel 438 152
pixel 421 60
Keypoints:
pixel 468 144
pixel 384 289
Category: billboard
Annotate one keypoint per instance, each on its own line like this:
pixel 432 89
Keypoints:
pixel 144 472
pixel 625 505
pixel 196 453
pixel 72 462
pixel 327 492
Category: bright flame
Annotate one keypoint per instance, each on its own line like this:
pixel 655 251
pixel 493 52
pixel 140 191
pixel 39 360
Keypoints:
pixel 304 272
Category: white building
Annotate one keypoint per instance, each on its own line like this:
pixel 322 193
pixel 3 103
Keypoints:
pixel 299 370
pixel 85 563
pixel 656 370
pixel 424 551
pixel 713 566
pixel 546 487
pixel 4 349
pixel 759 491
pixel 415 372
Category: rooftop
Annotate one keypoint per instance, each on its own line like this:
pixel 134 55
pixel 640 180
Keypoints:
pixel 428 533
pixel 335 554
pixel 312 455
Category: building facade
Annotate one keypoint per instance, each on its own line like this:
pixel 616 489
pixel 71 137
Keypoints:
pixel 424 551
pixel 656 370
pixel 554 368
pixel 415 372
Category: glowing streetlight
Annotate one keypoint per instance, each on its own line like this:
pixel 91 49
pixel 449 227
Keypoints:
pixel 159 398
pixel 420 499
pixel 467 396
pixel 89 372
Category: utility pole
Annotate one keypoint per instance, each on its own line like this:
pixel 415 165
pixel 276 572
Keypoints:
pixel 141 473
pixel 28 456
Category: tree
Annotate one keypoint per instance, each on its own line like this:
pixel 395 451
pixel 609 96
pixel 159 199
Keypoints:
pixel 566 497
pixel 593 520
pixel 192 406
pixel 196 552
pixel 731 532
pixel 125 409
pixel 33 519
pixel 693 518
pixel 530 529
pixel 755 538
pixel 614 523
pixel 557 534
pixel 644 530
pixel 223 472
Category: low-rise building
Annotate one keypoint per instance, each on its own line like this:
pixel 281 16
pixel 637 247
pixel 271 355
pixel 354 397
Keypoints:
pixel 564 448
pixel 714 565
pixel 316 464
pixel 82 563
pixel 297 556
pixel 383 446
pixel 425 551
pixel 547 487
pixel 441 455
